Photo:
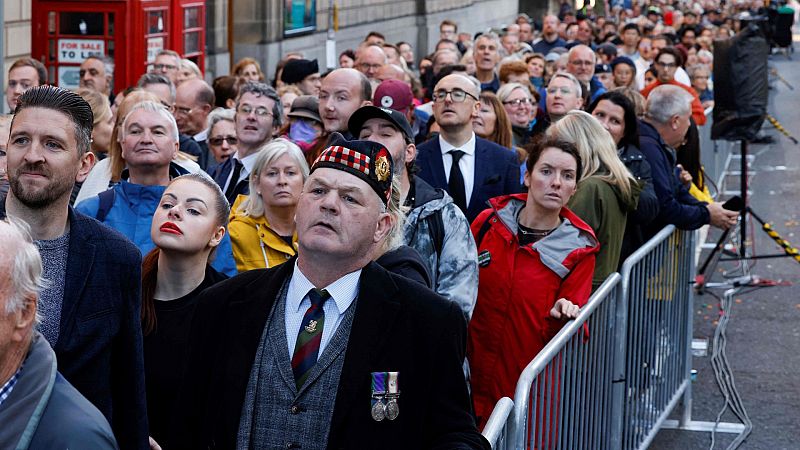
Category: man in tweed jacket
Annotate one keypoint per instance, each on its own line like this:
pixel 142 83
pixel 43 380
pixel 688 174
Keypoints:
pixel 242 391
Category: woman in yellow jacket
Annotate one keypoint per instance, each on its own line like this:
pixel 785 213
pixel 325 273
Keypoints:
pixel 262 227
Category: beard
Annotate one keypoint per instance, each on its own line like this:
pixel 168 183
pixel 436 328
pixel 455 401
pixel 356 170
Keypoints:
pixel 35 197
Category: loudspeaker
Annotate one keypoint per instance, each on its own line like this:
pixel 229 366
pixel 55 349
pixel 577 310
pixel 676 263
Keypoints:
pixel 741 85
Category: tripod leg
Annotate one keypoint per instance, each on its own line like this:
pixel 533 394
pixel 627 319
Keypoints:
pixel 717 248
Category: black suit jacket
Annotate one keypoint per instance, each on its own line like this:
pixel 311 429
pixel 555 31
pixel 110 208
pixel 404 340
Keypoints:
pixel 496 172
pixel 398 326
pixel 99 347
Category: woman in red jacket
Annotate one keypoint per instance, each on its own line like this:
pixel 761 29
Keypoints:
pixel 536 262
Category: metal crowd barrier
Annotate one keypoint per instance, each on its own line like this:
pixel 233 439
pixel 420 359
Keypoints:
pixel 563 397
pixel 496 429
pixel 610 378
pixel 654 311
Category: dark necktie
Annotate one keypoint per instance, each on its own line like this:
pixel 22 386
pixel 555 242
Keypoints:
pixel 237 171
pixel 455 184
pixel 306 349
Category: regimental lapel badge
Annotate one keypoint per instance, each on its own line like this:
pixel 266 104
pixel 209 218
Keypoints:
pixel 385 387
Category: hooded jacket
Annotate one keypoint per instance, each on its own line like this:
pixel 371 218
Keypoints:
pixel 454 272
pixel 44 411
pixel 255 244
pixel 519 286
pixel 675 205
pixel 605 208
pixel 132 215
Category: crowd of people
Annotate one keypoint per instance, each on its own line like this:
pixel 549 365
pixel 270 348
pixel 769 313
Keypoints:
pixel 261 262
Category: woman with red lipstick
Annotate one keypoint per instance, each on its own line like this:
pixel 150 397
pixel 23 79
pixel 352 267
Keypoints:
pixel 536 260
pixel 188 225
pixel 262 224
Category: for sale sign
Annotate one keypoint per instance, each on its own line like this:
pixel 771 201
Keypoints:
pixel 77 50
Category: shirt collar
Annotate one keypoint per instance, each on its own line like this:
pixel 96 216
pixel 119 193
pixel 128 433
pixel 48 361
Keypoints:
pixel 343 291
pixel 248 161
pixel 468 147
pixel 201 136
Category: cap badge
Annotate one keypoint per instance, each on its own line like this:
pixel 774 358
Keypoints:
pixel 382 168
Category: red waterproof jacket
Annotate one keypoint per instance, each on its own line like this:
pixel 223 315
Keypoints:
pixel 518 287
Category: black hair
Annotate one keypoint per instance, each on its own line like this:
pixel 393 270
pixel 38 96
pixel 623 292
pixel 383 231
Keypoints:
pixel 688 155
pixel 631 26
pixel 671 51
pixel 631 135
pixel 65 102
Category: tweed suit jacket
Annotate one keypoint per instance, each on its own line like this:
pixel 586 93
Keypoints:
pixel 496 172
pixel 398 325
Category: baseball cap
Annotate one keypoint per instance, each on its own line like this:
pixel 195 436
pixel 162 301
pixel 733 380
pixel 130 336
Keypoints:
pixel 393 94
pixel 363 114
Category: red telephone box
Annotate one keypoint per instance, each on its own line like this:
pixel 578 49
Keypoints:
pixel 131 32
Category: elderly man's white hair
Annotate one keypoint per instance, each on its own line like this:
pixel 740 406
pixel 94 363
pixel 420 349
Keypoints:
pixel 570 77
pixel 152 107
pixel 22 263
pixel 667 101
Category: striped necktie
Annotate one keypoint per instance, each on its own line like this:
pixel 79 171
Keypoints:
pixel 309 337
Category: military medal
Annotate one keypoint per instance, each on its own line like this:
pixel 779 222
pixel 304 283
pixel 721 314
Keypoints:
pixel 392 408
pixel 378 393
pixel 484 258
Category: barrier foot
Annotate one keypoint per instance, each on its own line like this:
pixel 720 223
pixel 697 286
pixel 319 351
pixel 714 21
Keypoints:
pixel 708 427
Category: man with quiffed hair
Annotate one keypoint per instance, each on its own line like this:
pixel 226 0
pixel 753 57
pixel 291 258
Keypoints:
pixel 329 350
pixel 92 305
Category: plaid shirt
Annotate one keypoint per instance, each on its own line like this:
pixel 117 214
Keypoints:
pixel 5 391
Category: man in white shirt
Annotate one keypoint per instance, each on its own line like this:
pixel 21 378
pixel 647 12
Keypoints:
pixel 258 115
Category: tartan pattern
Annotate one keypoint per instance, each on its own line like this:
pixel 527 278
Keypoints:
pixel 309 337
pixel 350 158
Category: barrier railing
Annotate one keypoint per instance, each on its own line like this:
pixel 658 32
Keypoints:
pixel 563 396
pixel 496 429
pixel 654 311
pixel 610 378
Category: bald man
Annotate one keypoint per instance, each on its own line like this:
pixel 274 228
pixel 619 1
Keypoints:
pixel 194 100
pixel 471 169
pixel 581 63
pixel 342 92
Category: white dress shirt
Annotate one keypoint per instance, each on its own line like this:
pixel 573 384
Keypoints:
pixel 343 291
pixel 466 163
pixel 247 167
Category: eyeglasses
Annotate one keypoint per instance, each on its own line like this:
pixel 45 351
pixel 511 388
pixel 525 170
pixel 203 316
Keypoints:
pixel 368 66
pixel 667 65
pixel 164 66
pixel 260 111
pixel 457 95
pixel 232 140
pixel 581 63
pixel 519 101
pixel 564 90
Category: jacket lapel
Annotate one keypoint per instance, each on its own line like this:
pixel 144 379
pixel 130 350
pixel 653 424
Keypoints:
pixel 433 158
pixel 376 310
pixel 482 164
pixel 79 266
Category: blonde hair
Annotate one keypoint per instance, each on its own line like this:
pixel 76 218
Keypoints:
pixel 253 206
pixel 596 147
pixel 394 238
pixel 101 107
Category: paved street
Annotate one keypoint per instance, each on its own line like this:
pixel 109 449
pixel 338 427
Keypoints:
pixel 764 332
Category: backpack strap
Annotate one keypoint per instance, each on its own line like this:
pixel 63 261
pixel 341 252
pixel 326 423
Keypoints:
pixel 484 229
pixel 106 203
pixel 436 227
